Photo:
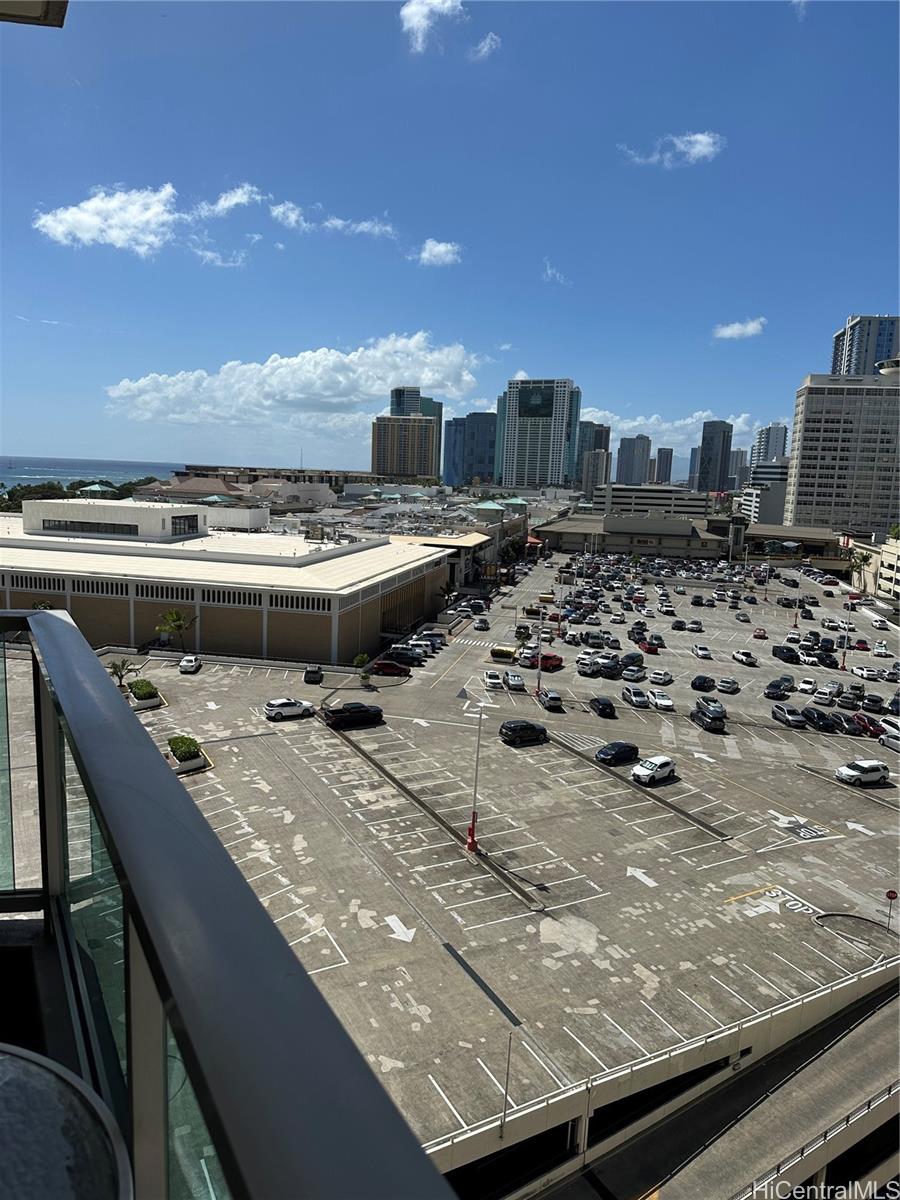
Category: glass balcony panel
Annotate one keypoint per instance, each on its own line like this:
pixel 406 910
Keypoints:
pixel 194 1169
pixel 7 870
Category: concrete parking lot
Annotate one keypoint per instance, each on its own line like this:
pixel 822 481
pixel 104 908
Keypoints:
pixel 656 916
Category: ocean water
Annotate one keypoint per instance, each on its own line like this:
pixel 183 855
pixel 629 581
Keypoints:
pixel 14 469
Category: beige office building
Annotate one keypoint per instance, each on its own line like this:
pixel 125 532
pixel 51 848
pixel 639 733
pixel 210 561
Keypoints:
pixel 406 447
pixel 845 468
pixel 650 498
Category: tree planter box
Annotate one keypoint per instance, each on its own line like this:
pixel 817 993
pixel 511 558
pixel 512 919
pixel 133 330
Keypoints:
pixel 200 763
pixel 155 702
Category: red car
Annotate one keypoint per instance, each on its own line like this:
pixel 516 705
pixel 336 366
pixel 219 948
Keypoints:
pixel 551 662
pixel 554 617
pixel 860 644
pixel 869 726
pixel 760 633
pixel 648 647
pixel 383 666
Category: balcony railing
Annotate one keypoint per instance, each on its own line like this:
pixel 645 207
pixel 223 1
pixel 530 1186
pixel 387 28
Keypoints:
pixel 226 1070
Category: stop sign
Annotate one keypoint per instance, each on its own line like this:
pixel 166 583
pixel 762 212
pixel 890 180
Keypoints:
pixel 891 895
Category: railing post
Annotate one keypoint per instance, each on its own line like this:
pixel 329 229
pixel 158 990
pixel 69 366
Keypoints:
pixel 51 791
pixel 147 1074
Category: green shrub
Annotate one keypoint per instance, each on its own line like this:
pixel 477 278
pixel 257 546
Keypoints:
pixel 184 748
pixel 143 689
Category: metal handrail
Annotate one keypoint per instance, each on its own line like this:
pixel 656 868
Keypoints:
pixel 753 1189
pixel 281 1086
pixel 669 1052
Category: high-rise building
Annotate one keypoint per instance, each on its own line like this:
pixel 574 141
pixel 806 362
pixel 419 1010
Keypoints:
pixel 633 463
pixel 651 470
pixel 409 402
pixel 763 499
pixel 595 471
pixel 537 433
pixel 712 462
pixel 407 447
pixel 591 436
pixel 862 343
pixel 775 470
pixel 454 452
pixel 692 469
pixel 664 465
pixel 738 470
pixel 770 442
pixel 844 471
pixel 470 448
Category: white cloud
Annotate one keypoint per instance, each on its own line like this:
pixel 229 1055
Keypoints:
pixel 418 17
pixel 679 150
pixel 279 245
pixel 253 238
pixel 485 48
pixel 213 258
pixel 243 194
pixel 741 329
pixel 25 319
pixel 142 220
pixel 799 7
pixel 438 254
pixel 335 390
pixel 520 374
pixel 551 275
pixel 374 227
pixel 681 434
pixel 505 346
pixel 290 215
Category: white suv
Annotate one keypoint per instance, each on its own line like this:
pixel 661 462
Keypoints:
pixel 280 710
pixel 863 771
pixel 653 770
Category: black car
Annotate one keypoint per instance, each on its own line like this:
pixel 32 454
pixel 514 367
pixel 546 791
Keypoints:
pixel 313 675
pixel 351 714
pixel 826 644
pixel 602 706
pixel 787 654
pixel 678 625
pixel 703 683
pixel 707 721
pixel 848 700
pixel 522 733
pixel 872 703
pixel 408 655
pixel 894 706
pixel 775 691
pixel 826 659
pixel 611 670
pixel 616 754
pixel 806 614
pixel 817 719
pixel 634 659
pixel 845 724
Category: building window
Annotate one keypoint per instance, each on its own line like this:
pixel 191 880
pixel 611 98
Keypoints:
pixel 110 528
pixel 183 525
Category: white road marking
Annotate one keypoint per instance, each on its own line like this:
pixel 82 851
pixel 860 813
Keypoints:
pixel 585 1048
pixel 842 969
pixel 663 1019
pixel 451 862
pixel 495 1082
pixel 736 995
pixel 768 982
pixel 788 963
pixel 721 862
pixel 454 882
pixel 625 1034
pixel 556 1079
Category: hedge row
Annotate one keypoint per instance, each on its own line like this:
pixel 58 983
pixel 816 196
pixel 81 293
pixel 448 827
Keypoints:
pixel 143 689
pixel 184 748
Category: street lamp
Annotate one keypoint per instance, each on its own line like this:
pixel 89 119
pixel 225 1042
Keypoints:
pixel 471 839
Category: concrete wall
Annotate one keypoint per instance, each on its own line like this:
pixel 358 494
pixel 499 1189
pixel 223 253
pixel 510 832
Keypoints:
pixel 147 615
pixel 231 630
pixel 103 620
pixel 154 521
pixel 302 636
pixel 359 631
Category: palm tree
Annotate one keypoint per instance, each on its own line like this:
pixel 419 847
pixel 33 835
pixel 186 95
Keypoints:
pixel 858 561
pixel 42 606
pixel 174 622
pixel 119 668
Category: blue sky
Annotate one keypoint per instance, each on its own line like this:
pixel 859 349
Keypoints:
pixel 229 229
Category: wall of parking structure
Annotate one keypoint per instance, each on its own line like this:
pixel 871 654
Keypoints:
pixel 101 619
pixel 359 631
pixel 147 614
pixel 231 630
pixel 299 636
pixel 761 1034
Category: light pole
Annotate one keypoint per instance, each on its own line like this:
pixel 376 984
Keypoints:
pixel 471 839
pixel 506 1084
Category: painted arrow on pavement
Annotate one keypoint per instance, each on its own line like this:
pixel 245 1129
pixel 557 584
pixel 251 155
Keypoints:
pixel 859 828
pixel 401 932
pixel 704 756
pixel 419 721
pixel 637 873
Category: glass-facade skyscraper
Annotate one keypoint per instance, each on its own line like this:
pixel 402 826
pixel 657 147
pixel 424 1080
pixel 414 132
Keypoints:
pixel 863 342
pixel 714 457
pixel 537 433
pixel 633 462
pixel 470 449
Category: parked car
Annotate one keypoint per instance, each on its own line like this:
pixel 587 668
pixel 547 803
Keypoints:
pixel 351 714
pixel 634 674
pixel 514 681
pixel 788 715
pixel 745 657
pixel 492 679
pixel 710 723
pixel 760 634
pixel 849 701
pixel 863 772
pixel 314 674
pixel 824 697
pixel 742 616
pixel 807 685
pixel 695 627
pixel 869 726
pixel 703 683
pixel 661 678
pixel 700 651
pixel 521 733
pixel 678 625
pixel 846 725
pixel 650 771
pixel 818 720
pixel 872 703
pixel 775 691
pixel 384 666
pixel 729 686
pixel 661 701
pixel 482 624
pixel 190 664
pixel 551 662
pixel 635 696
pixel 602 706
pixel 285 708
pixel 617 754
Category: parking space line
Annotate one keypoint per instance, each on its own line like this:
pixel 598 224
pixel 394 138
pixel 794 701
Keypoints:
pixel 481 900
pixel 582 900
pixel 543 863
pixel 496 1083
pixel 699 846
pixel 843 970
pixel 585 1048
pixel 500 921
pixel 637 804
pixel 263 899
pixel 736 995
pixel 440 1091
pixel 663 1019
pixel 451 862
pixel 788 963
pixel 250 878
pixel 768 982
pixel 240 839
pixel 721 862
pixel 702 1009
pixel 625 1034
pixel 513 849
pixel 671 832
pixel 453 882
pixel 556 1079
pixel 419 849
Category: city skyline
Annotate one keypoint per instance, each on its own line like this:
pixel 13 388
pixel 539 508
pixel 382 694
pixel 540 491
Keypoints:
pixel 171 278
